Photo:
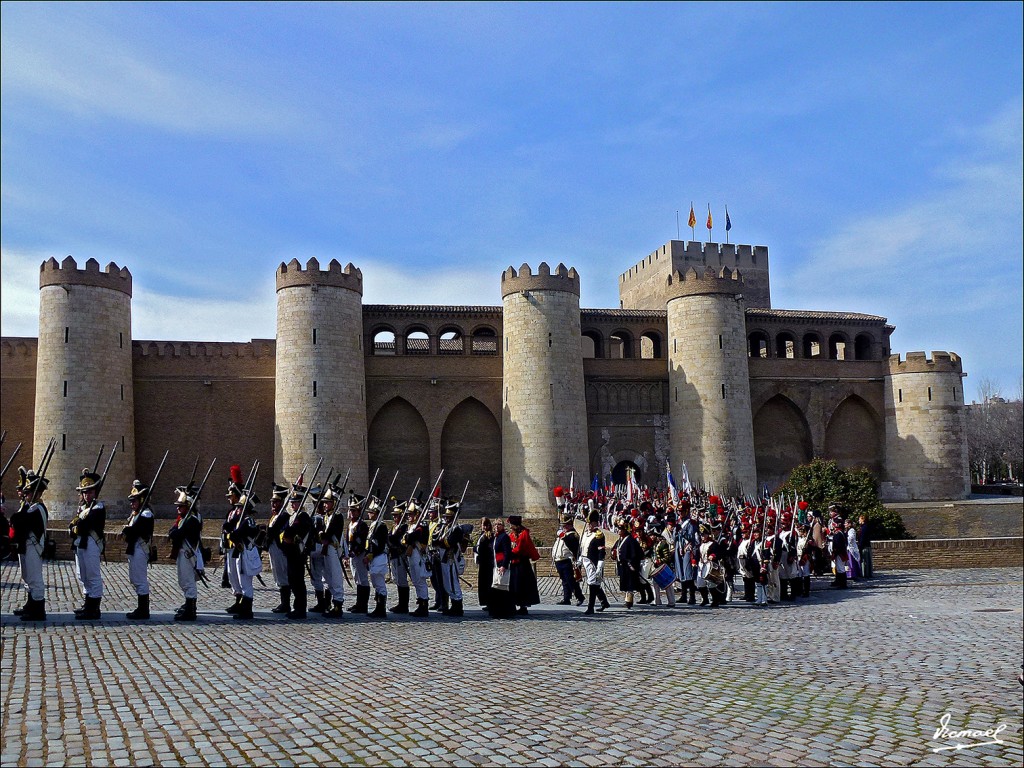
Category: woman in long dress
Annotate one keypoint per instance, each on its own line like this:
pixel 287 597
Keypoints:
pixel 483 556
pixel 523 585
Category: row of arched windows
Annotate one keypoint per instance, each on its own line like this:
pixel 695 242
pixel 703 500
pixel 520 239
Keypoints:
pixel 621 345
pixel 450 340
pixel 811 346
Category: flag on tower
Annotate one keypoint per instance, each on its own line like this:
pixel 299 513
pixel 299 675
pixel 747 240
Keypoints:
pixel 709 217
pixel 728 221
pixel 692 221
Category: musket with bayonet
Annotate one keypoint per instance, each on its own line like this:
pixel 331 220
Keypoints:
pixel 369 494
pixel 384 502
pixel 430 500
pixel 10 461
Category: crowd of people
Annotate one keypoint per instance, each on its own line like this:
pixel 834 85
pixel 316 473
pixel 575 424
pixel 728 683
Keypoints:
pixel 667 548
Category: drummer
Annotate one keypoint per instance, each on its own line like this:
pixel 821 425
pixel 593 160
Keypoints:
pixel 662 573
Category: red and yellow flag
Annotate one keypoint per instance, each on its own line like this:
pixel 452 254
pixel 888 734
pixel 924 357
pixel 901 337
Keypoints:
pixel 692 221
pixel 709 217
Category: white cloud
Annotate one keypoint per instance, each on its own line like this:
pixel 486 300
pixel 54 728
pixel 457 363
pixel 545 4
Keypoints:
pixel 74 65
pixel 19 286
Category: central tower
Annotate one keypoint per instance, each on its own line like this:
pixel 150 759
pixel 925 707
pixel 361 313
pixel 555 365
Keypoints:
pixel 544 414
pixel 320 382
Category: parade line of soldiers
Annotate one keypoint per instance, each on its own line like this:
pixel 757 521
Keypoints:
pixel 693 542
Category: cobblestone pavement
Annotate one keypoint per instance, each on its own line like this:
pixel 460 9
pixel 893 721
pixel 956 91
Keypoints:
pixel 846 678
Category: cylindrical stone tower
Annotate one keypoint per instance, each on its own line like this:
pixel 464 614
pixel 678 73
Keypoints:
pixel 710 424
pixel 320 382
pixel 925 444
pixel 544 418
pixel 84 378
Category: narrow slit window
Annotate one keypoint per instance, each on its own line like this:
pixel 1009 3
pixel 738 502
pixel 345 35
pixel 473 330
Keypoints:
pixel 64 442
pixel 314 441
pixel 929 394
pixel 723 391
pixel 120 341
pixel 67 334
pixel 314 337
pixel 900 394
pixel 122 391
pixel 314 389
pixel 720 341
pixel 677 394
pixel 65 389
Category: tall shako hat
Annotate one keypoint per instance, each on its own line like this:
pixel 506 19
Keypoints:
pixel 235 482
pixel 183 495
pixel 88 481
pixel 279 492
pixel 248 503
pixel 138 490
pixel 297 492
pixel 29 481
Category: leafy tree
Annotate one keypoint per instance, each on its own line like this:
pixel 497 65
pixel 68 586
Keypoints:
pixel 854 491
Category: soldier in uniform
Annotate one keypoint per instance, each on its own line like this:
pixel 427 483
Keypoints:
pixel 376 559
pixel 29 536
pixel 434 530
pixel 662 555
pixel 565 552
pixel 278 561
pixel 331 544
pixel 87 539
pixel 241 540
pixel 453 562
pixel 419 571
pixel 747 557
pixel 397 556
pixel 186 549
pixel 294 541
pixel 592 554
pixel 689 549
pixel 138 534
pixel 358 531
pixel 317 572
pixel 711 571
pixel 230 578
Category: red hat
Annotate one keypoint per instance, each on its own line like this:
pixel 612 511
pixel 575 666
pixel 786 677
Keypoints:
pixel 802 505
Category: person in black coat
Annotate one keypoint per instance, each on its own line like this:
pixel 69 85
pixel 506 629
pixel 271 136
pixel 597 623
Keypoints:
pixel 500 603
pixel 483 555
pixel 840 553
pixel 628 555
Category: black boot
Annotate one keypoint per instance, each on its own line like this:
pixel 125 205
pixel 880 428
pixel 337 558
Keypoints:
pixel 35 610
pixel 807 586
pixel 335 612
pixel 244 611
pixel 421 611
pixel 690 590
pixel 225 583
pixel 456 609
pixel 646 594
pixel 704 597
pixel 605 605
pixel 141 613
pixel 380 610
pixel 285 605
pixel 92 610
pixel 403 601
pixel 590 604
pixel 236 607
pixel 189 611
pixel 362 600
pixel 19 611
pixel 85 606
pixel 322 603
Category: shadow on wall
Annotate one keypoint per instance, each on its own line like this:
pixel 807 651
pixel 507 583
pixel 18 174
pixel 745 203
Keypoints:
pixel 782 441
pixel 919 478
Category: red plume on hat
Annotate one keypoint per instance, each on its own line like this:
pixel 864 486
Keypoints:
pixel 236 474
pixel 559 491
pixel 802 505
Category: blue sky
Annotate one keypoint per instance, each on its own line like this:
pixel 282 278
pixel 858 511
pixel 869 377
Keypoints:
pixel 876 149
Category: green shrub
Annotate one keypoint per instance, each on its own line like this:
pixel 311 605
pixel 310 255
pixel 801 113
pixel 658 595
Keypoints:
pixel 853 491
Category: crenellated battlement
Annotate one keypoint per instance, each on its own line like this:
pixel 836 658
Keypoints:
pixel 562 279
pixel 293 274
pixel 693 282
pixel 66 272
pixel 919 362
pixel 681 253
pixel 225 349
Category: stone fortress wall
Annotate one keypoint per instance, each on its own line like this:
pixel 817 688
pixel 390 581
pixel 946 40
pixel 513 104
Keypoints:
pixel 434 381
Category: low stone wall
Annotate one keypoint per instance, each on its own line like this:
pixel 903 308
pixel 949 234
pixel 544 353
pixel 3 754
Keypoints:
pixel 980 518
pixel 115 547
pixel 913 554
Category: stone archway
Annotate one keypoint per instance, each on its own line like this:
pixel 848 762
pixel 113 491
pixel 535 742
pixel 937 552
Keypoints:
pixel 619 473
pixel 782 441
pixel 853 437
pixel 471 451
pixel 398 440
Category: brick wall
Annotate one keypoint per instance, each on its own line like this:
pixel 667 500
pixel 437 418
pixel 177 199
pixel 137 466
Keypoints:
pixel 1001 552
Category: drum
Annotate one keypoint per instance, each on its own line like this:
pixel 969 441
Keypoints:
pixel 663 577
pixel 716 576
pixel 646 568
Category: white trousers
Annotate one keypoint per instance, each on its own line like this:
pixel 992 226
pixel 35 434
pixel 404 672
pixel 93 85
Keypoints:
pixel 317 572
pixel 360 571
pixel 333 574
pixel 32 571
pixel 774 587
pixel 279 565
pixel 87 563
pixel 187 575
pixel 138 568
pixel 235 576
pixel 378 573
pixel 450 579
pixel 418 573
pixel 231 565
pixel 400 571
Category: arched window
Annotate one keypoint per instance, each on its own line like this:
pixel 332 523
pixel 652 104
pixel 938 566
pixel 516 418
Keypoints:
pixel 812 345
pixel 837 347
pixel 758 344
pixel 484 342
pixel 785 346
pixel 862 347
pixel 592 345
pixel 619 474
pixel 384 343
pixel 620 346
pixel 650 345
pixel 417 342
pixel 450 342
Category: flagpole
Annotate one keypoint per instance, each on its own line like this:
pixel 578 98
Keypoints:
pixel 693 223
pixel 677 225
pixel 727 225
